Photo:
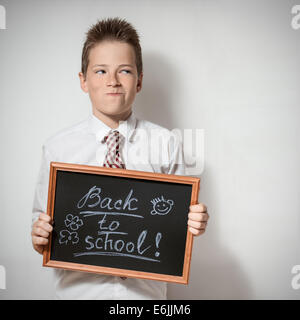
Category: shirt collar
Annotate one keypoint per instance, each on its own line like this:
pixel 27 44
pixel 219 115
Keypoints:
pixel 100 129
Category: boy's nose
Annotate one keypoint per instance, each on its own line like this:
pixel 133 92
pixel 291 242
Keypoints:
pixel 113 80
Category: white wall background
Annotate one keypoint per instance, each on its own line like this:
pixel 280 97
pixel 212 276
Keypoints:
pixel 228 67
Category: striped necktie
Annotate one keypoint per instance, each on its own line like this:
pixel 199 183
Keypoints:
pixel 113 158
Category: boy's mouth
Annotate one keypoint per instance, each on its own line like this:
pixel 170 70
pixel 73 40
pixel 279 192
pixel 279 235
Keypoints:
pixel 114 94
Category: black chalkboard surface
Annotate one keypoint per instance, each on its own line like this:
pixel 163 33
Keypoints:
pixel 120 222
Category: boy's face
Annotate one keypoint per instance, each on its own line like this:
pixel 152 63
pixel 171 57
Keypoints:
pixel 111 79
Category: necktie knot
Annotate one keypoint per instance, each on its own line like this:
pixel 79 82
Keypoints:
pixel 113 135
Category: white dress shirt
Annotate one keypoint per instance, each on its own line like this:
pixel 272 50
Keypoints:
pixel 147 147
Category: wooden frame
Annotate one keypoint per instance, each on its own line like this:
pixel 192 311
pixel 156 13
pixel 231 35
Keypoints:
pixel 56 166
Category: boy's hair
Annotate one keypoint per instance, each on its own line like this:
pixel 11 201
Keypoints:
pixel 113 29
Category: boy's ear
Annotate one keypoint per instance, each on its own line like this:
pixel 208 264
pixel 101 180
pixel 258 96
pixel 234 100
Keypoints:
pixel 83 84
pixel 139 83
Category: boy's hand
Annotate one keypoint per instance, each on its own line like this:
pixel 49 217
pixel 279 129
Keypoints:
pixel 198 217
pixel 40 232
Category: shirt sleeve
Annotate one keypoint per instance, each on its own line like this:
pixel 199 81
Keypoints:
pixel 41 189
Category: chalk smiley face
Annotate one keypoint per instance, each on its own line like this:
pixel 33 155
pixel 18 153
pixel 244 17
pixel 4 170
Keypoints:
pixel 161 206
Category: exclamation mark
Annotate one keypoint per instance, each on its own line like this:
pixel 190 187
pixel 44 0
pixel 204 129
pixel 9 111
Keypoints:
pixel 157 240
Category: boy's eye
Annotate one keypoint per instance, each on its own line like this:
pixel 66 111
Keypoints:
pixel 103 71
pixel 100 71
pixel 126 71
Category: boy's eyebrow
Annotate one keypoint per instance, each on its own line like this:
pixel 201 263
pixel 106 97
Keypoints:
pixel 105 65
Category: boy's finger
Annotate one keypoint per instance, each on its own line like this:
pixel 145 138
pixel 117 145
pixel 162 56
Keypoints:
pixel 199 207
pixel 44 217
pixel 45 225
pixel 39 240
pixel 196 232
pixel 198 216
pixel 41 232
pixel 197 225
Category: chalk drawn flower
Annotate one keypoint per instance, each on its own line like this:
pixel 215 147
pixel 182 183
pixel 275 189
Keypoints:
pixel 66 236
pixel 161 206
pixel 73 222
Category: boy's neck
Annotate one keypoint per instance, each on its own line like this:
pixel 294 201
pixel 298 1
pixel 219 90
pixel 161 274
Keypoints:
pixel 110 120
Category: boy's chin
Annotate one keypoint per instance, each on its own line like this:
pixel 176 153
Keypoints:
pixel 113 113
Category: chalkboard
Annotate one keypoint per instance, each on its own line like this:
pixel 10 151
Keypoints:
pixel 120 222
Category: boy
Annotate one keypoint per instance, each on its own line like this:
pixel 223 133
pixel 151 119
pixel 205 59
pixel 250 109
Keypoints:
pixel 111 74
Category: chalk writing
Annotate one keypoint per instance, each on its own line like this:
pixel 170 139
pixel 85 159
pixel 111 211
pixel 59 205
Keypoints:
pixel 96 213
pixel 157 241
pixel 110 239
pixel 67 236
pixel 118 245
pixel 94 193
pixel 161 206
pixel 73 222
pixel 113 254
